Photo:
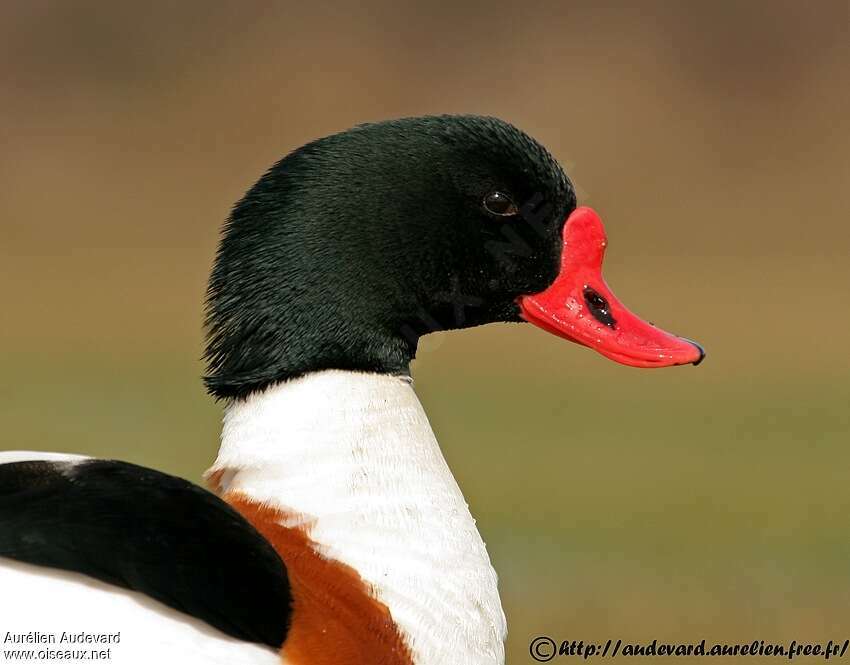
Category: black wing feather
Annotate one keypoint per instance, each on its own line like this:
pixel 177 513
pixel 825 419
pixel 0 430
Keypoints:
pixel 150 532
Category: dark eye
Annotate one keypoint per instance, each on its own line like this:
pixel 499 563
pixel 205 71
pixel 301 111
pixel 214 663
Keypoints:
pixel 499 203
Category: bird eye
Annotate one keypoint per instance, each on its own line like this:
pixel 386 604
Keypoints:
pixel 499 203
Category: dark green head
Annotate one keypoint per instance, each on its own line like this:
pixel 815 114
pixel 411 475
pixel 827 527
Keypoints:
pixel 353 246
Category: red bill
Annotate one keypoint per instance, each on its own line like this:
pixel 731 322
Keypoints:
pixel 579 306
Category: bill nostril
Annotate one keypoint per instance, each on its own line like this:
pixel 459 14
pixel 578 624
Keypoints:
pixel 598 306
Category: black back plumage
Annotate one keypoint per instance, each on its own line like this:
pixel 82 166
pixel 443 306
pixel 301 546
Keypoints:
pixel 150 532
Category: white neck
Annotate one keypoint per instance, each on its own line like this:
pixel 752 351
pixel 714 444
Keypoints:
pixel 353 456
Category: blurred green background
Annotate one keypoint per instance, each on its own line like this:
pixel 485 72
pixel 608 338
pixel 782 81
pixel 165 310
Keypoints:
pixel 714 139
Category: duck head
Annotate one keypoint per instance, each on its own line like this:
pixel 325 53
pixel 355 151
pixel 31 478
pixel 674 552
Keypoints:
pixel 354 246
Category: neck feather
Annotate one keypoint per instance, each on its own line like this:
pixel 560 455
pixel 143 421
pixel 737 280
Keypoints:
pixel 351 459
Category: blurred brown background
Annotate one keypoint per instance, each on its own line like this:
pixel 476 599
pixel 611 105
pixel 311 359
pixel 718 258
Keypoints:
pixel 713 137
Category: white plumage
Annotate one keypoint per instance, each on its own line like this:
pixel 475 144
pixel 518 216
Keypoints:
pixel 50 601
pixel 353 455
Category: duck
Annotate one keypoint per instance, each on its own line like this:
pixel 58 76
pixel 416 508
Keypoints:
pixel 332 529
